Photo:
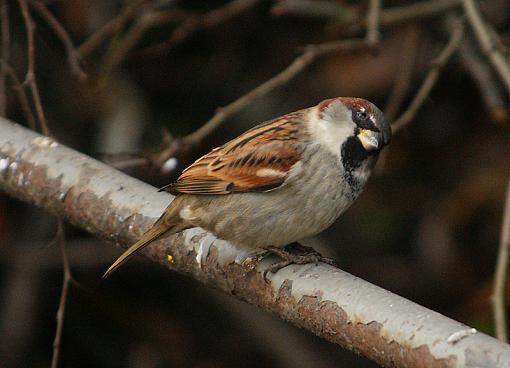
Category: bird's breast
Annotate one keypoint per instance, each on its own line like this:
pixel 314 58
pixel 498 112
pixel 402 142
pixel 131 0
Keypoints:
pixel 309 202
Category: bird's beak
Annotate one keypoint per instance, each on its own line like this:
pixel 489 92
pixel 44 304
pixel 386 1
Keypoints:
pixel 370 140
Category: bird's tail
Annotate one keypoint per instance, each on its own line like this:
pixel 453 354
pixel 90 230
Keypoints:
pixel 169 222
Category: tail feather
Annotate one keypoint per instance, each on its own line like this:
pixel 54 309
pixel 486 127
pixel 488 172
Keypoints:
pixel 168 222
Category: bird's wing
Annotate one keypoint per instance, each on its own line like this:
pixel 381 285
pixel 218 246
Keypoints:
pixel 256 161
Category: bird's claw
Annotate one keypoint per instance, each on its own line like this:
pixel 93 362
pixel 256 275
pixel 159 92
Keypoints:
pixel 310 256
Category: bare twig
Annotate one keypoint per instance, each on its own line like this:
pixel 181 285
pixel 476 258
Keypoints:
pixel 389 16
pixel 196 23
pixel 144 22
pixel 404 73
pixel 29 29
pixel 331 303
pixel 487 44
pixel 67 279
pixel 5 47
pixel 343 13
pixel 72 54
pixel 310 54
pixel 20 94
pixel 30 79
pixel 431 78
pixel 500 278
pixel 38 105
pixel 112 27
pixel 498 42
pixel 486 81
pixel 422 9
pixel 373 22
pixel 214 18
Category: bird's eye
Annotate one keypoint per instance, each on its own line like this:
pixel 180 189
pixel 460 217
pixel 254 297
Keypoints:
pixel 361 115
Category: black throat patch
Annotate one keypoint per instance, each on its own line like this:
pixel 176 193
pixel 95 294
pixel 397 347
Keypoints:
pixel 353 155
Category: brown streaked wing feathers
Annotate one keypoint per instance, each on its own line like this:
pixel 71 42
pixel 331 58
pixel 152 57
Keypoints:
pixel 236 166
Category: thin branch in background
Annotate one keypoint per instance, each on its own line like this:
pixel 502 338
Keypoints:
pixel 134 35
pixel 29 29
pixel 373 23
pixel 346 16
pixel 30 79
pixel 20 94
pixel 430 80
pixel 67 280
pixel 310 54
pixel 212 19
pixel 411 12
pixel 114 26
pixel 402 83
pixel 5 47
pixel 404 73
pixel 195 23
pixel 486 40
pixel 486 81
pixel 72 55
pixel 498 42
pixel 7 72
pixel 418 10
pixel 500 278
pixel 315 8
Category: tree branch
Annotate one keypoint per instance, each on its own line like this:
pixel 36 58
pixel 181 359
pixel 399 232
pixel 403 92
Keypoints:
pixel 418 10
pixel 487 43
pixel 326 9
pixel 404 74
pixel 5 48
pixel 346 15
pixel 72 54
pixel 150 18
pixel 205 21
pixel 113 26
pixel 30 79
pixel 67 278
pixel 431 78
pixel 500 278
pixel 373 22
pixel 20 94
pixel 327 301
pixel 487 82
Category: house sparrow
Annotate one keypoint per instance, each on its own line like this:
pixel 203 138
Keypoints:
pixel 279 182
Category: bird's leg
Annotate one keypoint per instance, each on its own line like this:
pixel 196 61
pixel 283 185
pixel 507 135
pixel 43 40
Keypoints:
pixel 310 256
pixel 309 251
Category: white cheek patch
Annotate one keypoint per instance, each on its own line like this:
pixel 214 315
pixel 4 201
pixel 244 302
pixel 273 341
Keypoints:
pixel 187 214
pixel 332 130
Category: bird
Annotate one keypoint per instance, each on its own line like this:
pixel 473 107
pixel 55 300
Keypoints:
pixel 283 180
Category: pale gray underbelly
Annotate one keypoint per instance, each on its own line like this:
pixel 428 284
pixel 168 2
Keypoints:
pixel 287 214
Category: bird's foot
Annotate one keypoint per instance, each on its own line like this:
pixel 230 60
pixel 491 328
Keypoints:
pixel 308 255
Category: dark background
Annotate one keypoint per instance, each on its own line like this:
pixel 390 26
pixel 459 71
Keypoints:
pixel 427 226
